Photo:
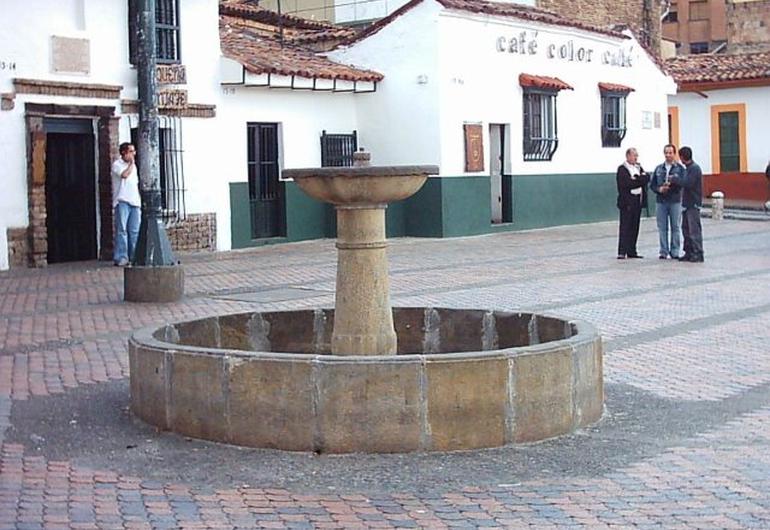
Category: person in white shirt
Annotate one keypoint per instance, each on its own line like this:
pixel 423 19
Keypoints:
pixel 127 204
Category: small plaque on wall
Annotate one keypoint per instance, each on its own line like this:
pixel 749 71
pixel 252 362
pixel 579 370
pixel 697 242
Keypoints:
pixel 474 147
pixel 70 55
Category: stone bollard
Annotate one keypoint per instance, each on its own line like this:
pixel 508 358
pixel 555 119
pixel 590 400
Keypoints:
pixel 717 205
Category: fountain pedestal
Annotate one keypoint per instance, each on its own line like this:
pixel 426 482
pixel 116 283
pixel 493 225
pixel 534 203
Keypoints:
pixel 363 319
pixel 363 322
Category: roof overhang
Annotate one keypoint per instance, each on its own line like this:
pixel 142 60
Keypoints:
pixel 232 73
pixel 702 86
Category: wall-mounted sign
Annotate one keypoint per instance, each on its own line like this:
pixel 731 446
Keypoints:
pixel 171 74
pixel 172 99
pixel 70 55
pixel 646 119
pixel 526 43
pixel 474 147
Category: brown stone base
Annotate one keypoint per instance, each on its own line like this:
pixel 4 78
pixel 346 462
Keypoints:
pixel 195 232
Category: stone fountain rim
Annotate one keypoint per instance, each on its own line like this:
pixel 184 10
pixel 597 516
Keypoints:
pixel 145 337
pixel 366 171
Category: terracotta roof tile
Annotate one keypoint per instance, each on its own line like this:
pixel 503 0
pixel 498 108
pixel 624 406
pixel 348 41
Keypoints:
pixel 263 53
pixel 719 68
pixel 614 87
pixel 541 81
pixel 501 9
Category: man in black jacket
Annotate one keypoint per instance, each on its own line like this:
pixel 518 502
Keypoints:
pixel 632 197
pixel 692 200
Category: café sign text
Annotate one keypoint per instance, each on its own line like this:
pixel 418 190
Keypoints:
pixel 526 43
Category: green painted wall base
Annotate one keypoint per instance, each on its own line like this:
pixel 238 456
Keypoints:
pixel 451 207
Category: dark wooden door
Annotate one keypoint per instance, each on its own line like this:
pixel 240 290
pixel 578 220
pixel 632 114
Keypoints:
pixel 70 193
pixel 265 188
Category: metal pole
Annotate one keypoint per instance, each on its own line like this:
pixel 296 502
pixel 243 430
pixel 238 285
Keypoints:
pixel 152 248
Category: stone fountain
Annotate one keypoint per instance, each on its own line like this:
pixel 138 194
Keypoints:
pixel 365 377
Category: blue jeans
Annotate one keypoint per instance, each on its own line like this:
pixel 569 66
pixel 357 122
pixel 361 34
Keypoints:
pixel 127 220
pixel 669 217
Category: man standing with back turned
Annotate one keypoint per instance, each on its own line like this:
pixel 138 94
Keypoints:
pixel 692 200
pixel 669 204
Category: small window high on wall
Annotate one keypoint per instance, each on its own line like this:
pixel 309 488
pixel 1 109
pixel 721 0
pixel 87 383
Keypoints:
pixel 613 102
pixel 540 135
pixel 166 31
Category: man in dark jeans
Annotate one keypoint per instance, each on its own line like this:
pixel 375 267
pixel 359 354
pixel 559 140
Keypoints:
pixel 692 200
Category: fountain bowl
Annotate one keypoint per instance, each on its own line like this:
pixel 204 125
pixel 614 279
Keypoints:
pixel 461 379
pixel 361 185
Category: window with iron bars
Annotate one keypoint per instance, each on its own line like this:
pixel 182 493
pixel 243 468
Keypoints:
pixel 171 170
pixel 166 31
pixel 337 149
pixel 540 135
pixel 613 118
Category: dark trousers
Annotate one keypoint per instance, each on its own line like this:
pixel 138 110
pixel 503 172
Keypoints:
pixel 692 232
pixel 628 232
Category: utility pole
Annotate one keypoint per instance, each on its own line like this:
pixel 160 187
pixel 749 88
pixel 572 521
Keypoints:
pixel 154 275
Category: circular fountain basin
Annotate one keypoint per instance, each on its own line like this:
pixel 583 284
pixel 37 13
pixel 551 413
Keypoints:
pixel 462 379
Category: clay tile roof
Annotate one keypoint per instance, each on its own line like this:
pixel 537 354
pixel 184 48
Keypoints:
pixel 614 87
pixel 719 69
pixel 264 54
pixel 501 9
pixel 541 81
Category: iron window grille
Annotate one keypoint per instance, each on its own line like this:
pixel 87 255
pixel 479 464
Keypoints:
pixel 540 135
pixel 265 187
pixel 167 28
pixel 337 149
pixel 613 118
pixel 171 168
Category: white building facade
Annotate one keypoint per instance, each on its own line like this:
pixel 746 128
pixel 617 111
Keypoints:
pixel 549 106
pixel 720 111
pixel 69 99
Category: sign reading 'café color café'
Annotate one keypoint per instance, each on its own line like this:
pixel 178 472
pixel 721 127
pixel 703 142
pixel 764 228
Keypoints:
pixel 525 44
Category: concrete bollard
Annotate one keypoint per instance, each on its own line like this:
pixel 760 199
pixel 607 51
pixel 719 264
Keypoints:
pixel 717 205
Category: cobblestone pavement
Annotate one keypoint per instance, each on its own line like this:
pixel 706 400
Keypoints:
pixel 684 441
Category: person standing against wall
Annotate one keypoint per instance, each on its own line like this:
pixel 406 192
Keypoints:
pixel 632 182
pixel 692 200
pixel 126 203
pixel 668 200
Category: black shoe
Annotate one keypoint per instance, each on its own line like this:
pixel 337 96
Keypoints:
pixel 694 259
pixel 662 257
pixel 684 257
pixel 637 256
pixel 621 256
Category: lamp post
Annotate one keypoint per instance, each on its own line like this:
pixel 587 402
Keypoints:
pixel 154 275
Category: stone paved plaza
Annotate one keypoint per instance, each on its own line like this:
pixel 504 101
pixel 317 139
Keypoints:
pixel 684 441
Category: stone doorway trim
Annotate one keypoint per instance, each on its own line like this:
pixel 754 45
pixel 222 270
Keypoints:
pixel 107 149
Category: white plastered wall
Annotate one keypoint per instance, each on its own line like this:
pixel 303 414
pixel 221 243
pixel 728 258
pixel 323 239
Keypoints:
pixel 399 123
pixel 480 84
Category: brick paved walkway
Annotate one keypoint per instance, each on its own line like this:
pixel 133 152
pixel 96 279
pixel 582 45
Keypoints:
pixel 684 443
